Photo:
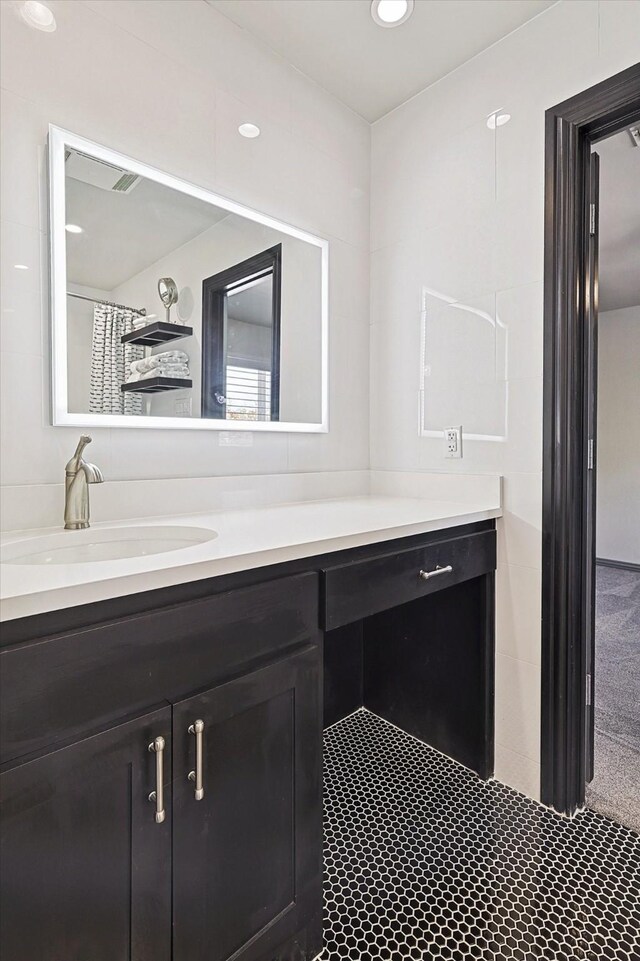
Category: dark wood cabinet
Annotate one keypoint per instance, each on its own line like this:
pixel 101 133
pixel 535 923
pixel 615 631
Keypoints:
pixel 247 853
pixel 56 688
pixel 85 867
pixel 361 588
pixel 88 871
pixel 235 873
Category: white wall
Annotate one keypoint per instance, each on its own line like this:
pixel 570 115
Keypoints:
pixel 458 208
pixel 168 83
pixel 618 478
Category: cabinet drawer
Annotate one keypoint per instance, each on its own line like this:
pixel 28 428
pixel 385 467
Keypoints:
pixel 60 687
pixel 356 590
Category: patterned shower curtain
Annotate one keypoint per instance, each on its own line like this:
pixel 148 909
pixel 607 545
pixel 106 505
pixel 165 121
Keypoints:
pixel 110 361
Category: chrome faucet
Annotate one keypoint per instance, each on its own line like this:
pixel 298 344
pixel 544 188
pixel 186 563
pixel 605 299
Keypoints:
pixel 78 475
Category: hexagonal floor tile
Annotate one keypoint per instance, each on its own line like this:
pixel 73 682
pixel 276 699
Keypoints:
pixel 425 861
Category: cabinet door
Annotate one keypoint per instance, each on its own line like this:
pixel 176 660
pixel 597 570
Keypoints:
pixel 247 855
pixel 85 867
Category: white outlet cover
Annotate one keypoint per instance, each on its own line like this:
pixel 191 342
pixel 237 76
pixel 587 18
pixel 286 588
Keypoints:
pixel 453 442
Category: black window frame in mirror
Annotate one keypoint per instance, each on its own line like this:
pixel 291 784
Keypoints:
pixel 215 290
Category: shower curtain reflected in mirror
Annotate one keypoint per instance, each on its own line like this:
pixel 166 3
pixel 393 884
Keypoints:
pixel 110 360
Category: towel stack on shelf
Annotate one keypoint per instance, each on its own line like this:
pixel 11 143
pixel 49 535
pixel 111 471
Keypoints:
pixel 168 363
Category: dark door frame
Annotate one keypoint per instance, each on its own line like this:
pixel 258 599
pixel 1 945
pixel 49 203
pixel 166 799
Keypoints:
pixel 571 129
pixel 214 317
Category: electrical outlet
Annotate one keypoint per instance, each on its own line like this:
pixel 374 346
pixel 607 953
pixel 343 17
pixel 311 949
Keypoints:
pixel 453 441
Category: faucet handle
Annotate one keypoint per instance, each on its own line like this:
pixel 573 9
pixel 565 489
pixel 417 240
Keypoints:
pixel 93 474
pixel 74 464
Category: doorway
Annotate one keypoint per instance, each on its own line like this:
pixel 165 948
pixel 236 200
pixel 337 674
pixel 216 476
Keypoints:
pixel 570 430
pixel 613 769
pixel 241 339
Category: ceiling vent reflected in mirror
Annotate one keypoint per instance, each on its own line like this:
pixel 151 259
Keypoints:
pixel 99 173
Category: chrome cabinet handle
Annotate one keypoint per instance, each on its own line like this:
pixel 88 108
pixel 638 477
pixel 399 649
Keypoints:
pixel 427 575
pixel 197 728
pixel 157 796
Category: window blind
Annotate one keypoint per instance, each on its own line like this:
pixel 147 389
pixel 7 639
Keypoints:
pixel 248 393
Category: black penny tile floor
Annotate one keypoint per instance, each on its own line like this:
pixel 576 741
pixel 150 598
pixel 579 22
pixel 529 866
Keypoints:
pixel 423 860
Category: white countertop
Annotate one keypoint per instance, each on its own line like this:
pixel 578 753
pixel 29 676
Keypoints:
pixel 245 539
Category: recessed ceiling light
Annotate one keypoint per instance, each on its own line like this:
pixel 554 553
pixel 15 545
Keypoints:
pixel 497 119
pixel 38 15
pixel 20 266
pixel 391 13
pixel 73 229
pixel 249 130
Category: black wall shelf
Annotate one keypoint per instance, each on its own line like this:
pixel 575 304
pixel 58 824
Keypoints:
pixel 156 385
pixel 156 334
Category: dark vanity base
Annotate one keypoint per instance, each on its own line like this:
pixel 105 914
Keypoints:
pixel 343 671
pixel 88 866
pixel 237 872
pixel 423 657
pixel 426 666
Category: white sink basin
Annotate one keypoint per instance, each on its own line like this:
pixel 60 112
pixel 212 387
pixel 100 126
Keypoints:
pixel 79 547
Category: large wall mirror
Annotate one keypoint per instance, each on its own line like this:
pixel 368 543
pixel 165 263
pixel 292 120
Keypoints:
pixel 174 307
pixel 463 367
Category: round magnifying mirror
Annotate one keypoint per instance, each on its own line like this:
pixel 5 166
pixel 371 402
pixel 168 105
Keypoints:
pixel 168 292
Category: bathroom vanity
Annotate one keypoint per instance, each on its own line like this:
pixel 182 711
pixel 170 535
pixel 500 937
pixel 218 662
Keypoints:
pixel 162 754
pixel 165 684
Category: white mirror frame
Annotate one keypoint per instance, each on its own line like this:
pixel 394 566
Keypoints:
pixel 58 140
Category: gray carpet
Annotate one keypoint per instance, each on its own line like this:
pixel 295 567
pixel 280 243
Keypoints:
pixel 615 789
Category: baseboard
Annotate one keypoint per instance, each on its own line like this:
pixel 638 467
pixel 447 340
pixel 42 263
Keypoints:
pixel 623 565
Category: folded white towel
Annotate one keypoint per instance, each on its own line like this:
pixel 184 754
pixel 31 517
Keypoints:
pixel 159 360
pixel 169 370
pixel 180 371
pixel 165 355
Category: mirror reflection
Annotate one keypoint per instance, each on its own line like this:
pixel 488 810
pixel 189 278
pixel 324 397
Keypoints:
pixel 463 366
pixel 241 340
pixel 177 307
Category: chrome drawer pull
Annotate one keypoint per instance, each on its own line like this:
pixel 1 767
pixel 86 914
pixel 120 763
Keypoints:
pixel 197 728
pixel 427 575
pixel 157 796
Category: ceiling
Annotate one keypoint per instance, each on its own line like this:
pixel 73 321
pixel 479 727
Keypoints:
pixel 123 233
pixel 619 222
pixel 370 68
